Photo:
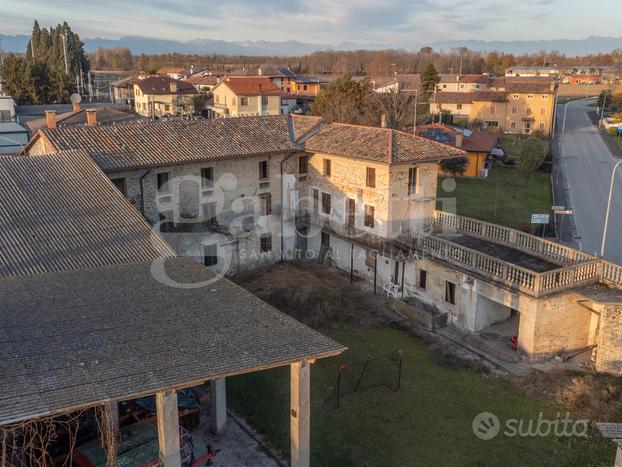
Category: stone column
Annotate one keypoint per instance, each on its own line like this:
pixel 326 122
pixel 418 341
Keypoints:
pixel 218 405
pixel 168 428
pixel 300 414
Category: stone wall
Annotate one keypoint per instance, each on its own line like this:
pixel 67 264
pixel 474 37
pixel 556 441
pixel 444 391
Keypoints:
pixel 609 351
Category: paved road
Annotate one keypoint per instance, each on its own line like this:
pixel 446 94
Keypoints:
pixel 587 164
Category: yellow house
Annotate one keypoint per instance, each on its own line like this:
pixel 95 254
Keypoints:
pixel 477 144
pixel 512 104
pixel 245 96
pixel 161 96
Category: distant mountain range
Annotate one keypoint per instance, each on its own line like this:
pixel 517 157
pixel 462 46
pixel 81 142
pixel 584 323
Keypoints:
pixel 138 45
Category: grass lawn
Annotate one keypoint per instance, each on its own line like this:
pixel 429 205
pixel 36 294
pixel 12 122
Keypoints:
pixel 430 421
pixel 515 200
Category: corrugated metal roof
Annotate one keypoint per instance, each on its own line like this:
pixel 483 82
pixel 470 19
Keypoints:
pixel 59 212
pixel 74 339
pixel 160 143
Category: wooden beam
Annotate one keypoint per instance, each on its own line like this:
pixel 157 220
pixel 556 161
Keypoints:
pixel 168 428
pixel 300 412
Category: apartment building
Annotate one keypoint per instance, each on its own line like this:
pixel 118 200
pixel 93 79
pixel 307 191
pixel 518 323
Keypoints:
pixel 161 96
pixel 245 96
pixel 236 193
pixel 463 83
pixel 513 105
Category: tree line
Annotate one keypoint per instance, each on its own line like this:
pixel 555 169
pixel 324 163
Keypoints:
pixel 357 63
pixel 51 69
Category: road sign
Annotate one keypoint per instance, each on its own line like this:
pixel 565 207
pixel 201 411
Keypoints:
pixel 540 218
pixel 566 212
pixel 558 208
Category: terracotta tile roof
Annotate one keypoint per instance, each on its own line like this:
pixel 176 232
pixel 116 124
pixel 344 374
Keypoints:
pixel 478 79
pixel 208 80
pixel 170 69
pixel 255 86
pixel 162 85
pixel 304 124
pixel 377 144
pixel 60 213
pixel 105 116
pixel 519 84
pixel 468 97
pixel 81 338
pixel 158 143
pixel 476 141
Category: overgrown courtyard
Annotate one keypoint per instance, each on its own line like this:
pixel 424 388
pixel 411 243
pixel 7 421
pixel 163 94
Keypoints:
pixel 430 421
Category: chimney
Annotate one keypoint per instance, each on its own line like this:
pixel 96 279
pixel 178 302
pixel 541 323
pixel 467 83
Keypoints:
pixel 260 71
pixel 173 87
pixel 383 120
pixel 50 118
pixel 91 117
pixel 458 140
pixel 75 106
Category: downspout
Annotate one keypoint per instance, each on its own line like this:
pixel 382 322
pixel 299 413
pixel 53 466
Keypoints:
pixel 142 192
pixel 282 205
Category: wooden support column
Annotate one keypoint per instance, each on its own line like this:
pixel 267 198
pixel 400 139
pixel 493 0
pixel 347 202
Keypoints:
pixel 300 414
pixel 168 428
pixel 218 405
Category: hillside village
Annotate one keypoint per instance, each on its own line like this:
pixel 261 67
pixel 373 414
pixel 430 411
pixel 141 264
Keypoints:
pixel 179 254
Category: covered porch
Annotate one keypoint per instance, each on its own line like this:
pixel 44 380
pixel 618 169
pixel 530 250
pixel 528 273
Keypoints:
pixel 69 344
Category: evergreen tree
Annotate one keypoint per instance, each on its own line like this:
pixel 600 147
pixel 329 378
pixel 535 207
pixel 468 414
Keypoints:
pixel 429 80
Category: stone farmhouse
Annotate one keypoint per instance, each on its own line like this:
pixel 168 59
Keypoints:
pixel 236 193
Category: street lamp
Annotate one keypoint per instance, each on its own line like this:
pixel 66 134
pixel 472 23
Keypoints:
pixel 613 174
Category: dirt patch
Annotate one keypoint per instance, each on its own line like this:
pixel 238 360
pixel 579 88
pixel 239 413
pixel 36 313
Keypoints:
pixel 314 294
pixel 598 397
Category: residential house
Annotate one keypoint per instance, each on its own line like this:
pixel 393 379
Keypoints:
pixel 533 71
pixel 173 72
pixel 159 96
pixel 244 96
pixel 254 190
pixel 7 109
pixel 477 144
pixel 463 83
pixel 82 273
pixel 398 83
pixel 511 104
pixel 203 83
pixel 123 90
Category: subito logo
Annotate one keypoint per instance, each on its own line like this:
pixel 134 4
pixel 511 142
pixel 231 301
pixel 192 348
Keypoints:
pixel 486 426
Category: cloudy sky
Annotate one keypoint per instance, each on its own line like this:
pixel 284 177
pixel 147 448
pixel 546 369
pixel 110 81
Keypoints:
pixel 405 23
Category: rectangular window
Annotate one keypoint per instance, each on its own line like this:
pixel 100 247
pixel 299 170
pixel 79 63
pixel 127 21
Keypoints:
pixel 423 279
pixel 265 204
pixel 303 164
pixel 207 177
pixel 210 255
pixel 326 167
pixel 412 180
pixel 208 211
pixel 167 107
pixel 163 182
pixel 458 106
pixel 370 178
pixel 264 100
pixel 542 126
pixel 491 123
pixel 513 125
pixel 119 183
pixel 450 292
pixel 528 110
pixel 167 222
pixel 542 111
pixel 265 243
pixel 493 110
pixel 369 216
pixel 316 201
pixel 326 203
pixel 244 101
pixel 514 110
pixel 304 87
pixel 263 170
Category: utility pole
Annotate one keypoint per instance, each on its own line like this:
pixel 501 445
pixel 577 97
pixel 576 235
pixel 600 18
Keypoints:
pixel 415 122
pixel 64 37
pixel 613 177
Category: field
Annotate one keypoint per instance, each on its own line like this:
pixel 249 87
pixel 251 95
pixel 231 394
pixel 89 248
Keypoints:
pixel 430 421
pixel 502 198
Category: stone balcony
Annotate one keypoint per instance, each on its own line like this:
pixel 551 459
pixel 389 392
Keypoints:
pixel 513 259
